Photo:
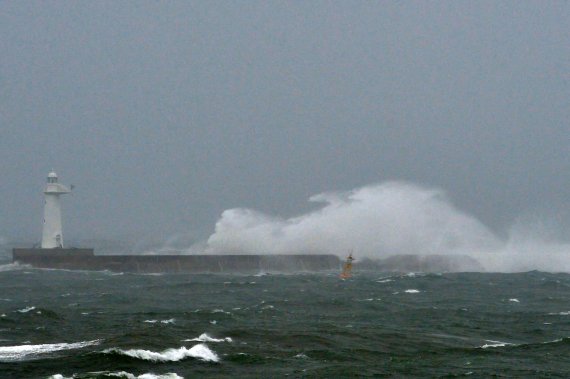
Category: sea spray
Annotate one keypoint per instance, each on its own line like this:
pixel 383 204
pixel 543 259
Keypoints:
pixel 376 221
pixel 392 218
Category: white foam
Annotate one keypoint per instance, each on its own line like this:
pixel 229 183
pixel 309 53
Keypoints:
pixel 495 344
pixel 206 338
pixel 301 356
pixel 560 314
pixel 384 281
pixel 553 341
pixel 200 351
pixel 411 291
pixel 169 321
pixel 20 352
pixel 221 311
pixel 13 267
pixel 26 310
pixel 127 375
pixel 514 300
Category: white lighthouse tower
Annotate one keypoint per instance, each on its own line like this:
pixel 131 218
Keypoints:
pixel 52 236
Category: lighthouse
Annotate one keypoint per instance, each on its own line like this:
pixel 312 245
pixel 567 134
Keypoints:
pixel 52 236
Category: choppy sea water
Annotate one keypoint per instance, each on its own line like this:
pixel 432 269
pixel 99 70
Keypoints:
pixel 74 324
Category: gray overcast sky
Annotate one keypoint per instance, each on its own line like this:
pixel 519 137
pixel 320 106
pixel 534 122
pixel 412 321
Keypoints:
pixel 163 114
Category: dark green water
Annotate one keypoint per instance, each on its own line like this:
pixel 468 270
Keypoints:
pixel 273 326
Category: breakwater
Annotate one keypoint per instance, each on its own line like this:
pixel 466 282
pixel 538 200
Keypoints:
pixel 85 259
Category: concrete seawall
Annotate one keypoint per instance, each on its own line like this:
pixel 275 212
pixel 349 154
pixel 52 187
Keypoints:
pixel 85 259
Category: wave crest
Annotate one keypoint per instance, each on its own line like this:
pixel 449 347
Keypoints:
pixel 123 374
pixel 206 338
pixel 200 351
pixel 20 352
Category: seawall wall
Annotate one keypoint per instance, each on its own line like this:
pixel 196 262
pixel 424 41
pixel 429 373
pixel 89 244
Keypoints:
pixel 85 259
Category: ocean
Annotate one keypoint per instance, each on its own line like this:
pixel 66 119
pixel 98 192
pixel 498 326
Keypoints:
pixel 78 324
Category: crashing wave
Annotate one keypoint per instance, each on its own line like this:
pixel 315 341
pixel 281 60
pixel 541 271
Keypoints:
pixel 20 352
pixel 200 351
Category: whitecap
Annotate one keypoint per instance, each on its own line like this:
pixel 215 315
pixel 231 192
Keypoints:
pixel 495 344
pixel 169 321
pixel 514 300
pixel 206 338
pixel 125 375
pixel 200 351
pixel 301 356
pixel 221 311
pixel 16 353
pixel 560 314
pixel 384 281
pixel 411 291
pixel 26 310
pixel 128 375
pixel 213 322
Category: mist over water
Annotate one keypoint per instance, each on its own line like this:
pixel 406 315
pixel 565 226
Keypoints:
pixel 381 220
